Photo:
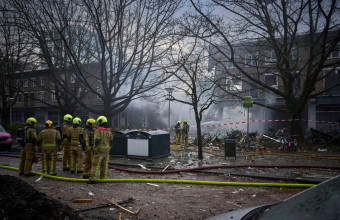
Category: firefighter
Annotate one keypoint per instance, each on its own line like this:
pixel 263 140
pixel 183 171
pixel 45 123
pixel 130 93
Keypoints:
pixel 185 131
pixel 65 143
pixel 76 140
pixel 27 148
pixel 88 145
pixel 49 141
pixel 178 131
pixel 103 139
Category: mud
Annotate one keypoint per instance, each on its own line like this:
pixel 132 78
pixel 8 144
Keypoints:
pixel 19 200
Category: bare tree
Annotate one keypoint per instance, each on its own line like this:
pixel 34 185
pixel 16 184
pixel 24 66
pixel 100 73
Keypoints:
pixel 301 34
pixel 126 39
pixel 194 80
pixel 16 55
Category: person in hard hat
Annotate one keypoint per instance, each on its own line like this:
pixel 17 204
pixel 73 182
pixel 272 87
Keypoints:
pixel 27 148
pixel 75 139
pixel 49 141
pixel 185 132
pixel 88 145
pixel 103 137
pixel 67 124
pixel 178 131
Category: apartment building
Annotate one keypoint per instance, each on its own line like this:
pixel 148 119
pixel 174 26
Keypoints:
pixel 258 59
pixel 42 98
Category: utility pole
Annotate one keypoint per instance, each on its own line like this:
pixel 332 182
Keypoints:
pixel 169 90
pixel 10 100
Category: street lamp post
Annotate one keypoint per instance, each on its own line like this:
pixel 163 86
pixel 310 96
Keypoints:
pixel 10 100
pixel 169 90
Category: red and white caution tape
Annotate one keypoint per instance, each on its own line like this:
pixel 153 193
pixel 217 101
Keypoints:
pixel 244 122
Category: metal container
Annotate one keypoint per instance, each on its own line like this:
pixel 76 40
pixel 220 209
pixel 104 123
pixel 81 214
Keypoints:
pixel 150 144
pixel 229 148
pixel 119 143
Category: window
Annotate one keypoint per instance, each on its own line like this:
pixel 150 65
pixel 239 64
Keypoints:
pixel 26 97
pixel 53 96
pixel 33 82
pixel 270 57
pixel 43 63
pixel 40 96
pixel 99 90
pixel 19 98
pixel 25 83
pixel 82 93
pixel 270 79
pixel 332 78
pixel 254 91
pixel 335 53
pixel 49 43
pixel 230 65
pixel 251 59
pixel 41 80
pixel 233 84
pixel 294 53
pixel 32 96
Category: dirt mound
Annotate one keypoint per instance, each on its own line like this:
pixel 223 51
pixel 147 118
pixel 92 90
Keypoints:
pixel 19 200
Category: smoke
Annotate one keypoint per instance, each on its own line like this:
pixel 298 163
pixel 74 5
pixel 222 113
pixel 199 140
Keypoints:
pixel 151 114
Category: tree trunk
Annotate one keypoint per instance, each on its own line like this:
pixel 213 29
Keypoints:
pixel 108 114
pixel 294 112
pixel 199 135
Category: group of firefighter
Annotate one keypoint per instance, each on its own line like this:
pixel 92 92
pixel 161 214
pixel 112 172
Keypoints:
pixel 182 133
pixel 73 139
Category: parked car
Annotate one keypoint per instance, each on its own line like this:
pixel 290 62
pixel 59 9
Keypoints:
pixel 5 139
pixel 319 202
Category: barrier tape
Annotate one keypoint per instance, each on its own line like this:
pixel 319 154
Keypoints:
pixel 244 122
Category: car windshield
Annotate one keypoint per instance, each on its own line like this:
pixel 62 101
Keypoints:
pixel 2 129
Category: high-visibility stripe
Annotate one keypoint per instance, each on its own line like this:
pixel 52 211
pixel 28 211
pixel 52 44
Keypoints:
pixel 45 163
pixel 106 166
pixel 49 145
pixel 98 166
pixel 87 139
pixel 51 163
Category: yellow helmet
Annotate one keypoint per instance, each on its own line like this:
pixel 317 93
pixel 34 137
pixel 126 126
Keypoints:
pixel 185 121
pixel 48 124
pixel 76 121
pixel 101 120
pixel 31 121
pixel 179 122
pixel 90 122
pixel 68 117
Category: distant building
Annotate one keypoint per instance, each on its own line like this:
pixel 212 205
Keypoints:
pixel 258 59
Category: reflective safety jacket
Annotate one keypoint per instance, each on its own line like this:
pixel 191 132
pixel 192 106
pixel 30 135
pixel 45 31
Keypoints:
pixel 30 136
pixel 178 128
pixel 185 128
pixel 89 138
pixel 103 137
pixel 76 135
pixel 65 130
pixel 49 138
